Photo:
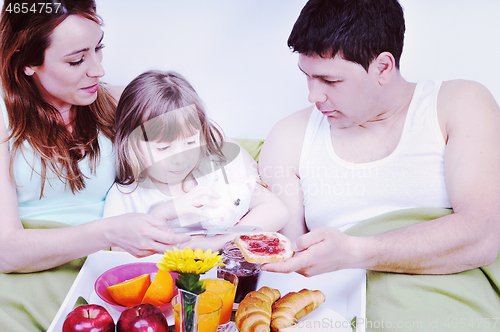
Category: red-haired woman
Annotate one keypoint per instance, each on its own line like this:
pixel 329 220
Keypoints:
pixel 56 156
pixel 57 161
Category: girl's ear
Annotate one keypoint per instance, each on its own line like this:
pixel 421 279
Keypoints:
pixel 384 66
pixel 29 71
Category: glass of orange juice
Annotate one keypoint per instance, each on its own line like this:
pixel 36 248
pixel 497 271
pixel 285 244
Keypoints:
pixel 224 287
pixel 209 307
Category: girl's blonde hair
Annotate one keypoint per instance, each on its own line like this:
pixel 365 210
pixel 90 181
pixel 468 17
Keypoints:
pixel 159 106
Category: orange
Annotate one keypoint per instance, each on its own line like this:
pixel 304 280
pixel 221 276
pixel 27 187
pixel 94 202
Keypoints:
pixel 130 292
pixel 217 285
pixel 226 291
pixel 161 290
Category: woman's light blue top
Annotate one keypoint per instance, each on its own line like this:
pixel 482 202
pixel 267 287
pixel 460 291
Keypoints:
pixel 58 202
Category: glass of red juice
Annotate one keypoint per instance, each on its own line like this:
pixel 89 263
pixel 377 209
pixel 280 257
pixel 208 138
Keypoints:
pixel 248 273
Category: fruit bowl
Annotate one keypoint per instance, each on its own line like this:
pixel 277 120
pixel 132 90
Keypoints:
pixel 122 273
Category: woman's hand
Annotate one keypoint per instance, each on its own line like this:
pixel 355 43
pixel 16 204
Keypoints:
pixel 189 203
pixel 142 234
pixel 322 250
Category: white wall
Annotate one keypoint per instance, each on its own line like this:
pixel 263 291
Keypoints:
pixel 234 52
pixel 448 39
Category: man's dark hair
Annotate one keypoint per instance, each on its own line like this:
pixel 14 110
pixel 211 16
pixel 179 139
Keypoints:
pixel 357 30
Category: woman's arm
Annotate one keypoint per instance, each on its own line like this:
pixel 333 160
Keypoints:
pixel 28 250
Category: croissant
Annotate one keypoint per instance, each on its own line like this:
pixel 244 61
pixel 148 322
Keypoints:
pixel 254 312
pixel 293 306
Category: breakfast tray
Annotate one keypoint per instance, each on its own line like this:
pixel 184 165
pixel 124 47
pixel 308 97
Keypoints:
pixel 345 292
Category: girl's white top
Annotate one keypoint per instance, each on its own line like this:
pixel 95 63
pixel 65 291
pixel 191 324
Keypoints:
pixel 234 203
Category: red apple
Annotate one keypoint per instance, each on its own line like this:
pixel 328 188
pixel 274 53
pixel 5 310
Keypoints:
pixel 144 317
pixel 89 318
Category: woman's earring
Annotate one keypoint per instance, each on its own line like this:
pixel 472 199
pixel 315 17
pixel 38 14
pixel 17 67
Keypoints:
pixel 29 71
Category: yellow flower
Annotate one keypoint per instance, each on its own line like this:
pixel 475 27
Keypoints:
pixel 189 261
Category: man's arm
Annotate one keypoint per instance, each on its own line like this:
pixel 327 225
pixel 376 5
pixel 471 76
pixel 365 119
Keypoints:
pixel 466 239
pixel 470 237
pixel 279 167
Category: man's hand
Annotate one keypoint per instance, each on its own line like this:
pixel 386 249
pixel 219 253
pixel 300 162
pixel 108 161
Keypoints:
pixel 324 249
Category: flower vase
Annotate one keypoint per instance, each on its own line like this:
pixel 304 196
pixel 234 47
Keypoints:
pixel 188 311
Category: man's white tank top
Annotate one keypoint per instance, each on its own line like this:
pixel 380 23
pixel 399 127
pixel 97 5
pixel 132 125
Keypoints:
pixel 340 194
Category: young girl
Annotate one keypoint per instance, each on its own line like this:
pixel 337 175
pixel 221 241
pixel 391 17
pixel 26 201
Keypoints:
pixel 175 164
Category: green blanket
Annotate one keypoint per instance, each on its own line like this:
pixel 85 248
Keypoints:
pixel 29 302
pixel 253 146
pixel 464 301
pixel 395 302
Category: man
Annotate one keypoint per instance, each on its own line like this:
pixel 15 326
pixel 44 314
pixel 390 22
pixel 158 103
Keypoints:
pixel 374 143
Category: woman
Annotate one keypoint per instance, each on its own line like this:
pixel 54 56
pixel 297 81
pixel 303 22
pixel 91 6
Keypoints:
pixel 56 135
pixel 56 159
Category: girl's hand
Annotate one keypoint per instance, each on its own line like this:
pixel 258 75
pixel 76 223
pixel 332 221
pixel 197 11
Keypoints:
pixel 189 203
pixel 215 242
pixel 141 234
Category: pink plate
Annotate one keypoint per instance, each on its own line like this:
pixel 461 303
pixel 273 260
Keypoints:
pixel 122 273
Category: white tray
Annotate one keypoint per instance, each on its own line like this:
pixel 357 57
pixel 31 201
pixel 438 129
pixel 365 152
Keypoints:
pixel 345 292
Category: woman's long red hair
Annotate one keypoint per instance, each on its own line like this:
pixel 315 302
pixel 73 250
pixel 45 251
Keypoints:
pixel 32 121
